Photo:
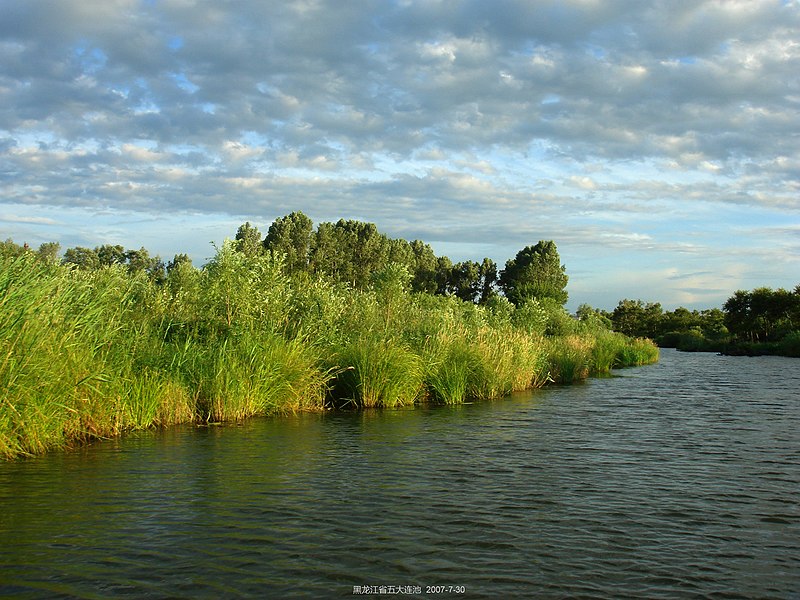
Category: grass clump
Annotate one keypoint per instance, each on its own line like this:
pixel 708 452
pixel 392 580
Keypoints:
pixel 377 372
pixel 454 370
pixel 637 352
pixel 570 358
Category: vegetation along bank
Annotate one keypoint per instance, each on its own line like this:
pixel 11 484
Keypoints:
pixel 761 321
pixel 105 340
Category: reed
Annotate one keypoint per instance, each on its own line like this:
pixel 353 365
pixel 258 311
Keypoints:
pixel 569 358
pixel 56 327
pixel 453 368
pixel 86 355
pixel 605 351
pixel 377 372
pixel 256 374
pixel 637 352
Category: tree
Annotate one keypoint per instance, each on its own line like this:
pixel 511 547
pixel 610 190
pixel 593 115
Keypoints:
pixel 535 273
pixel 85 259
pixel 444 268
pixel 349 251
pixel 424 271
pixel 637 319
pixel 11 248
pixel 465 280
pixel 592 317
pixel 737 314
pixel 761 314
pixel 48 252
pixel 291 236
pixel 177 261
pixel 140 260
pixel 248 240
pixel 109 254
pixel 488 279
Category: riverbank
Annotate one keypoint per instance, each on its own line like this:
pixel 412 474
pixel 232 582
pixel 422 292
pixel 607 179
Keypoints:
pixel 91 354
pixel 788 346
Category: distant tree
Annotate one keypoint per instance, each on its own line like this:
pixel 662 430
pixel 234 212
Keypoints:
pixel 109 254
pixel 442 275
pixel 535 273
pixel 680 319
pixel 712 323
pixel 248 240
pixel 488 280
pixel 424 271
pixel 291 236
pixel 637 319
pixel 762 314
pixel 349 251
pixel 465 281
pixel 177 261
pixel 140 260
pixel 85 259
pixel 472 281
pixel 738 315
pixel 11 248
pixel 48 252
pixel 593 317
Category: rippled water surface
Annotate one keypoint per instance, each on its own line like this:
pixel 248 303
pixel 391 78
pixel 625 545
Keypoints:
pixel 680 479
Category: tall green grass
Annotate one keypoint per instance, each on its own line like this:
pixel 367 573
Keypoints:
pixel 570 358
pixel 86 355
pixel 637 352
pixel 377 372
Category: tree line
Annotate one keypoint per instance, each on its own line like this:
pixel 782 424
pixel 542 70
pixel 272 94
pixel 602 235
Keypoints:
pixel 352 252
pixel 533 283
pixel 759 321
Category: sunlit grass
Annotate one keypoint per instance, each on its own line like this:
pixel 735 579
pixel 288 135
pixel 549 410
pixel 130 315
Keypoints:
pixel 638 352
pixel 87 355
pixel 377 372
pixel 570 358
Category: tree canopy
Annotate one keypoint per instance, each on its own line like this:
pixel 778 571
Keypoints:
pixel 535 273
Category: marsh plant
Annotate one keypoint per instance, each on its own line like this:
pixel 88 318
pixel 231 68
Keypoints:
pixel 91 352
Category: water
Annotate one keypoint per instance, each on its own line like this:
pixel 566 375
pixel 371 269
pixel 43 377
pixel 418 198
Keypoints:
pixel 677 480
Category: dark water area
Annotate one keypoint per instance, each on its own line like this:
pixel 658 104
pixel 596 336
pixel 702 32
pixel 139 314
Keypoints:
pixel 676 480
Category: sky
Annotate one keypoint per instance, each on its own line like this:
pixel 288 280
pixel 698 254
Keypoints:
pixel 656 142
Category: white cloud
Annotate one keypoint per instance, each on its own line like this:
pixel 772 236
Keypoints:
pixel 505 120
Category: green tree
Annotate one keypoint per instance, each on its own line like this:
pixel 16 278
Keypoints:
pixel 140 260
pixel 535 273
pixel 488 280
pixel 465 281
pixel 11 248
pixel 637 319
pixel 737 314
pixel 592 318
pixel 48 252
pixel 85 259
pixel 248 239
pixel 291 236
pixel 177 261
pixel 349 251
pixel 109 254
pixel 424 271
pixel 442 275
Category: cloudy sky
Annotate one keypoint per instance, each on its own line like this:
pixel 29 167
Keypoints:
pixel 657 143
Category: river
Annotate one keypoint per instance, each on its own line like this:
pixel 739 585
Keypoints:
pixel 675 480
